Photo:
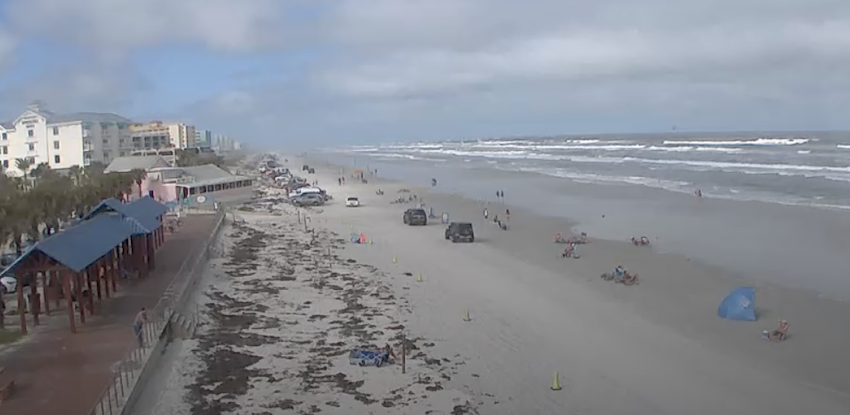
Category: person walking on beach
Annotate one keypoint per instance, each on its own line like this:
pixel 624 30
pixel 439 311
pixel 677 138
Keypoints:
pixel 486 213
pixel 507 215
pixel 139 324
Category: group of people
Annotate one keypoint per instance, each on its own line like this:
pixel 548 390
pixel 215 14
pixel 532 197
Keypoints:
pixel 622 275
pixel 497 221
pixel 643 240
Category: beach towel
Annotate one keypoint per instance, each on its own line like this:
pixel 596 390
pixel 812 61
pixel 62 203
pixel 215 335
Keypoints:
pixel 364 357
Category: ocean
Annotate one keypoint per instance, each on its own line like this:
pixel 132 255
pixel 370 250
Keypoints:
pixel 775 207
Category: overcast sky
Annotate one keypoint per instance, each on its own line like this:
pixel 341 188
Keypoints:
pixel 314 73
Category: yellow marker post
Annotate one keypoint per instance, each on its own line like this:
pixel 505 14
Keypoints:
pixel 556 384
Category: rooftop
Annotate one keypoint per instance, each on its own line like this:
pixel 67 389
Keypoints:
pixel 124 164
pixel 53 118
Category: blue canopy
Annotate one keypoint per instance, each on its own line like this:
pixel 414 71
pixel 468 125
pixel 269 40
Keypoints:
pixel 740 304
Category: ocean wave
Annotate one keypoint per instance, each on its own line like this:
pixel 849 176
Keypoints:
pixel 716 164
pixel 843 146
pixel 756 142
pixel 680 187
pixel 395 156
pixel 685 149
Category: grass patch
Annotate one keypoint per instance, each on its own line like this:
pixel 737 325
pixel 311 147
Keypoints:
pixel 9 336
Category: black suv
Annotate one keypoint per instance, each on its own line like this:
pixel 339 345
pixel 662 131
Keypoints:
pixel 415 217
pixel 460 231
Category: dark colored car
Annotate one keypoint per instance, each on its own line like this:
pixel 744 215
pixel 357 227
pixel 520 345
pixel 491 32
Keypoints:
pixel 460 231
pixel 415 217
pixel 309 199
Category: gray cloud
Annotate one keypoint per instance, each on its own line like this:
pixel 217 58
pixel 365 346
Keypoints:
pixel 422 69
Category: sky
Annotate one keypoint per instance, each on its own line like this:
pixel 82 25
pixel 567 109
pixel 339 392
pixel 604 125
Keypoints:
pixel 316 73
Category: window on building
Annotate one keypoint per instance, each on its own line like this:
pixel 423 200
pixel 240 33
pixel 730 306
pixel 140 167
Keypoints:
pixel 217 187
pixel 56 145
pixel 5 150
pixel 30 160
pixel 30 133
pixel 55 130
pixel 193 191
pixel 56 159
pixel 202 189
pixel 31 146
pixel 4 136
pixel 5 164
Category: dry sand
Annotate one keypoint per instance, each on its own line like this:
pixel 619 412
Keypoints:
pixel 284 307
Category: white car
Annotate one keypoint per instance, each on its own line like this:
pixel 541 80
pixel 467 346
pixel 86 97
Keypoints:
pixel 8 285
pixel 352 202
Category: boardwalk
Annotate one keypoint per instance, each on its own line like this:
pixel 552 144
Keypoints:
pixel 60 373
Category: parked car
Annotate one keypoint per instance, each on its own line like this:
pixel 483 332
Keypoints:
pixel 460 231
pixel 352 201
pixel 415 217
pixel 309 199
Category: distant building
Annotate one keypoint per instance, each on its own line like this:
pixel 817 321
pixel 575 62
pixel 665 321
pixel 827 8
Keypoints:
pixel 203 138
pixel 62 140
pixel 157 134
pixel 224 144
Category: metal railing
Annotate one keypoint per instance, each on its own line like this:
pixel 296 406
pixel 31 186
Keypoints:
pixel 114 397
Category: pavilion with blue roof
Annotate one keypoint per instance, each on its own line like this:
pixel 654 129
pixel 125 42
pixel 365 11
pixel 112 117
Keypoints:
pixel 84 261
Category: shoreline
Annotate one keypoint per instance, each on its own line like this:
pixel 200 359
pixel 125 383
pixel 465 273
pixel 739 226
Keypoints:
pixel 739 237
pixel 685 293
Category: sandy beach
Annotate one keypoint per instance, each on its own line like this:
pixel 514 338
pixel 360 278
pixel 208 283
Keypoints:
pixel 283 307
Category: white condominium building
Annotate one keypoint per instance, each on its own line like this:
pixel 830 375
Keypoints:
pixel 157 134
pixel 63 140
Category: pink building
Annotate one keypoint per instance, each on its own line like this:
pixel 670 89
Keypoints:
pixel 190 186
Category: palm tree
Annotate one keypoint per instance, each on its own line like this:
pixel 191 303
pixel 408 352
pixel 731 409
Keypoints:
pixel 24 165
pixel 138 176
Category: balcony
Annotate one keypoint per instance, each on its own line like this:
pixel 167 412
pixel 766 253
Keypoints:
pixel 88 146
pixel 86 133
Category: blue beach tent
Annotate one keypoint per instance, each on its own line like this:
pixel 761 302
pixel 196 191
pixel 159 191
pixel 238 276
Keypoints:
pixel 740 304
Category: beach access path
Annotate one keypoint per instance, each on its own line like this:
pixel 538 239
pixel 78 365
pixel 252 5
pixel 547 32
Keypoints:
pixel 60 373
pixel 533 313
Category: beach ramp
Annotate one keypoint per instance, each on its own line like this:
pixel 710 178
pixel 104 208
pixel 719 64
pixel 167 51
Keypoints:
pixel 740 305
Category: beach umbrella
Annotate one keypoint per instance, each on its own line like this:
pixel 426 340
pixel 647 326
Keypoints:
pixel 740 305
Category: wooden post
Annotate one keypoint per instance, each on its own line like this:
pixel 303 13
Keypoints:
pixel 66 285
pixel 403 354
pixel 48 290
pixel 22 311
pixel 116 269
pixel 78 282
pixel 151 251
pixel 35 300
pixel 90 299
pixel 98 274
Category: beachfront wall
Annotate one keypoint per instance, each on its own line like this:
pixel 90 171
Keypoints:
pixel 236 190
